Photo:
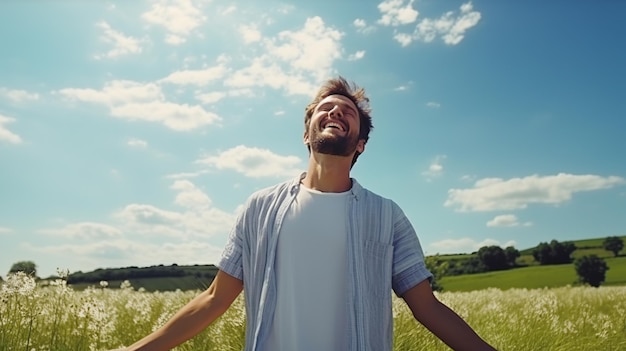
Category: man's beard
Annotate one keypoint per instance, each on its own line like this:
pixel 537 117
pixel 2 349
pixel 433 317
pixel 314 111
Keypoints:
pixel 334 145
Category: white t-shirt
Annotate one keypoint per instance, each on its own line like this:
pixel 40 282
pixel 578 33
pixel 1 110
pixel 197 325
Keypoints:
pixel 311 275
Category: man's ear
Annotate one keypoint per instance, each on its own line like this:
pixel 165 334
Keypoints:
pixel 360 146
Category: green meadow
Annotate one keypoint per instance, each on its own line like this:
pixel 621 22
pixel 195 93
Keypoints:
pixel 532 277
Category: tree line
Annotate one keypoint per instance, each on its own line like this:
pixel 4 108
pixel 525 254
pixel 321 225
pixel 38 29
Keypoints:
pixel 591 269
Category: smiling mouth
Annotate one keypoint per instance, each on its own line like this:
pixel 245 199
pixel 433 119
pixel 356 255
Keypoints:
pixel 334 125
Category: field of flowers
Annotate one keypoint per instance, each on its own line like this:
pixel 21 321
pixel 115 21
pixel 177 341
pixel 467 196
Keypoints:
pixel 58 318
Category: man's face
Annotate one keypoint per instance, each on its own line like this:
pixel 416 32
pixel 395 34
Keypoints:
pixel 334 127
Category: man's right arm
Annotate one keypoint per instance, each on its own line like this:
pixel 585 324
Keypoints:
pixel 194 316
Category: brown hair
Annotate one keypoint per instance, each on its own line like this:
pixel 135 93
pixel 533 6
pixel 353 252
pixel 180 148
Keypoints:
pixel 340 86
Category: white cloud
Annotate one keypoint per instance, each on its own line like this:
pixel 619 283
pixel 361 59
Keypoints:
pixel 295 61
pixel 85 230
pixel 138 143
pixel 395 13
pixel 7 135
pixel 198 219
pixel 179 117
pixel 125 252
pixel 178 17
pixel 199 77
pixel 449 27
pixel 359 23
pixel 4 230
pixel 435 169
pixel 357 55
pixel 18 95
pixel 190 196
pixel 493 194
pixel 468 178
pixel 507 220
pixel 186 175
pixel 227 11
pixel 210 98
pixel 254 162
pixel 433 104
pixel 403 38
pixel 116 92
pixel 362 27
pixel 249 33
pixel 137 101
pixel 464 245
pixel 122 44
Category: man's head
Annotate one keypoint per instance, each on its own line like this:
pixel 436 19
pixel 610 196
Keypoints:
pixel 347 105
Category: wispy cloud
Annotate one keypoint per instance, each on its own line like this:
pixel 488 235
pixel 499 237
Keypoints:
pixel 357 55
pixel 433 104
pixel 450 27
pixel 396 13
pixel 84 230
pixel 17 95
pixel 211 97
pixel 494 194
pixel 198 77
pixel 122 44
pixel 250 33
pixel 254 162
pixel 507 220
pixel 294 61
pixel 144 102
pixel 179 17
pixel 435 169
pixel 4 230
pixel 5 133
pixel 362 26
pixel 137 143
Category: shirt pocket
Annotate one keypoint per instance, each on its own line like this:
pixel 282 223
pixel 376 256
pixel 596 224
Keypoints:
pixel 378 261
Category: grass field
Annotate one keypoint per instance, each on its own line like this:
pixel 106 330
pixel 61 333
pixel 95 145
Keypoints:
pixel 532 277
pixel 157 284
pixel 59 318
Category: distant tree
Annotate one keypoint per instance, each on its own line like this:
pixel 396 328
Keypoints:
pixel 511 254
pixel 438 268
pixel 28 267
pixel 554 253
pixel 614 244
pixel 493 257
pixel 591 270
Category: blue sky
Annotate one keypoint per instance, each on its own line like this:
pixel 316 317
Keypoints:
pixel 132 132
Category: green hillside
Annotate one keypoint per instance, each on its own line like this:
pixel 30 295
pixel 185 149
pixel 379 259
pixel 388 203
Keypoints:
pixel 529 275
pixel 532 277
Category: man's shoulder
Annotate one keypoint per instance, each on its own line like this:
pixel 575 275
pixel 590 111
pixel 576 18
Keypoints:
pixel 370 195
pixel 376 201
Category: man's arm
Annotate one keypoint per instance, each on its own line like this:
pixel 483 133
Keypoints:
pixel 441 320
pixel 194 316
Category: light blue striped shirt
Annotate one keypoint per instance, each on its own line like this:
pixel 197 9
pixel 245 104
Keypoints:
pixel 383 253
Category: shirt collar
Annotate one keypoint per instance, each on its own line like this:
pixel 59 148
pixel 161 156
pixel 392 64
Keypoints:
pixel 356 189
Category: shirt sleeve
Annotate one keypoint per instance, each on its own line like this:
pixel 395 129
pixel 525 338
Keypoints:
pixel 409 268
pixel 231 261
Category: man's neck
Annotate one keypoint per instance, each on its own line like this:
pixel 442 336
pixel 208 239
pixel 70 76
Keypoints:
pixel 329 174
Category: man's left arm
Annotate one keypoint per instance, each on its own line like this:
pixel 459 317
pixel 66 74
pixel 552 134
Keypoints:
pixel 441 320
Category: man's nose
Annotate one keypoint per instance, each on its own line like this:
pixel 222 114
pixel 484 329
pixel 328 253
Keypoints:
pixel 335 112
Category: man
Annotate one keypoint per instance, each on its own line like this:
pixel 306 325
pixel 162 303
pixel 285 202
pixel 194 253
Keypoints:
pixel 318 256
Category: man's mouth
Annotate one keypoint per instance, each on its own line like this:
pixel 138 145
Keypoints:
pixel 334 125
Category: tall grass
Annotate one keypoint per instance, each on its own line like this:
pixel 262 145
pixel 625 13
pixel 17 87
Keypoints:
pixel 58 318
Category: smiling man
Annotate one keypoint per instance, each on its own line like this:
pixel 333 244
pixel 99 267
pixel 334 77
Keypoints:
pixel 319 256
